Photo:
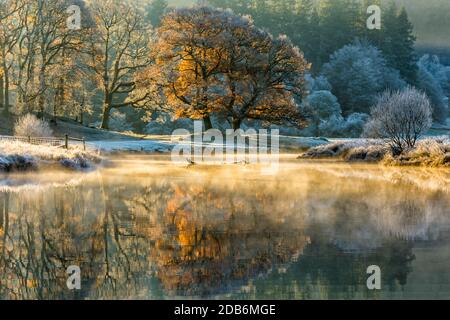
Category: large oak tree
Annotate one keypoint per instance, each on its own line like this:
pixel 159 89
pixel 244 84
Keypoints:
pixel 213 61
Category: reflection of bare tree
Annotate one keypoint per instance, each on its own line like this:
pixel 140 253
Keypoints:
pixel 119 255
pixel 4 229
pixel 42 235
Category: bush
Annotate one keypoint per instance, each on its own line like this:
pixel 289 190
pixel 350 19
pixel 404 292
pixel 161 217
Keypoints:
pixel 352 127
pixel 354 150
pixel 429 152
pixel 166 124
pixel 433 152
pixel 432 87
pixel 321 106
pixel 118 122
pixel 400 116
pixel 320 83
pixel 30 126
pixel 15 156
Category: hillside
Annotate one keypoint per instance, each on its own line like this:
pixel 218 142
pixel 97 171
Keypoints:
pixel 70 127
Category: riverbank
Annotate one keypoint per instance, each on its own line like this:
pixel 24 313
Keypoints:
pixel 431 152
pixel 19 156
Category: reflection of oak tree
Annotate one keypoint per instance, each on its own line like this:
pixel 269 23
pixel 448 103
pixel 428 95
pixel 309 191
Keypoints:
pixel 208 239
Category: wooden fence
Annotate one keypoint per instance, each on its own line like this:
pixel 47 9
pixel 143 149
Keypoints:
pixel 52 141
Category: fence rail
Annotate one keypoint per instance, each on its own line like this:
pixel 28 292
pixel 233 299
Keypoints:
pixel 52 141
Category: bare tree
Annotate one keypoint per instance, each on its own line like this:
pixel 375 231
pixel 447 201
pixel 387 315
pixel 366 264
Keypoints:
pixel 42 37
pixel 54 38
pixel 9 36
pixel 119 47
pixel 402 117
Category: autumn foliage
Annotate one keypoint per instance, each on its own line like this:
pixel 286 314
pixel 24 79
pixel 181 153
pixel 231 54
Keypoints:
pixel 210 61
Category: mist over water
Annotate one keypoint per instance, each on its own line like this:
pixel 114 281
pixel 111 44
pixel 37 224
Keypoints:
pixel 144 228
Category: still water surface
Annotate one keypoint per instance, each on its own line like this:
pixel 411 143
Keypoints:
pixel 146 229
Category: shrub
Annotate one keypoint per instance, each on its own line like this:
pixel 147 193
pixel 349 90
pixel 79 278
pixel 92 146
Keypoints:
pixel 400 116
pixel 434 91
pixel 338 126
pixel 321 106
pixel 354 150
pixel 118 122
pixel 428 152
pixel 30 126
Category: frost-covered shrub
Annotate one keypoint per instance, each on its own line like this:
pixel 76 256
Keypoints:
pixel 118 122
pixel 30 126
pixel 367 150
pixel 323 104
pixel 369 153
pixel 400 116
pixel 333 127
pixel 354 124
pixel 320 106
pixel 23 156
pixel 433 152
pixel 351 127
pixel 321 83
pixel 432 79
pixel 17 163
pixel 441 73
pixel 166 124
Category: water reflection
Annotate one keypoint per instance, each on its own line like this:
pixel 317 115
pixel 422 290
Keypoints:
pixel 146 230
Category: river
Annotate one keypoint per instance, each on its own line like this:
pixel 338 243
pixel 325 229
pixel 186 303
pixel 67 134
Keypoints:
pixel 145 228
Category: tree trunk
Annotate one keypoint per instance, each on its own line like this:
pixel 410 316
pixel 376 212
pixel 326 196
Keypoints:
pixel 236 124
pixel 2 97
pixel 207 122
pixel 5 88
pixel 6 96
pixel 81 117
pixel 317 125
pixel 41 101
pixel 106 111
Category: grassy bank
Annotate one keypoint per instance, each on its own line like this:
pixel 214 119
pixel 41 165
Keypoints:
pixel 19 156
pixel 431 152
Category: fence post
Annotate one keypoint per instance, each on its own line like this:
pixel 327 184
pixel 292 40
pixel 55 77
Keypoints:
pixel 66 141
pixel 29 139
pixel 84 144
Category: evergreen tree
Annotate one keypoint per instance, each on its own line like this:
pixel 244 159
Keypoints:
pixel 397 43
pixel 405 58
pixel 305 32
pixel 337 26
pixel 321 27
pixel 313 42
pixel 375 36
pixel 155 11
